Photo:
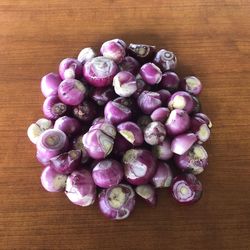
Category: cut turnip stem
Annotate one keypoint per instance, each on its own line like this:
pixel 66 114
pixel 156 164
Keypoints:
pixel 37 128
pixel 53 108
pixel 98 144
pixel 191 84
pixel 71 92
pixel 70 126
pixel 182 143
pixel 80 188
pixel 107 173
pixel 50 83
pixel 142 52
pixel 139 166
pixel 99 71
pixel 70 68
pixel 178 122
pixel 162 151
pixel 124 84
pixel 66 163
pixel 154 133
pixel 186 189
pixel 147 192
pixel 113 50
pixel 200 128
pixel 160 115
pixel 149 101
pixel 131 132
pixel 130 64
pixel 204 118
pixel 116 113
pixel 53 181
pixel 193 161
pixel 166 60
pixel 170 81
pixel 181 100
pixel 163 176
pixel 117 202
pixel 51 142
pixel 85 55
pixel 150 73
pixel 85 111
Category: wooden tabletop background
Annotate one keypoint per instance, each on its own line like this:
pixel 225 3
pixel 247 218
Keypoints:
pixel 212 41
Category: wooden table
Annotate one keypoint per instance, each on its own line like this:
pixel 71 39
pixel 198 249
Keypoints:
pixel 212 41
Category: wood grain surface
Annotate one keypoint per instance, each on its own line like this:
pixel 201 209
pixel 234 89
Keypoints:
pixel 211 39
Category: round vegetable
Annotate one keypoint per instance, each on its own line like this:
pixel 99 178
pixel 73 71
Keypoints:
pixel 70 126
pixel 85 55
pixel 192 85
pixel 147 192
pixel 165 59
pixel 182 143
pixel 154 133
pixel 107 173
pixel 117 202
pixel 70 68
pixel 50 83
pixel 139 166
pixel 150 73
pixel 170 81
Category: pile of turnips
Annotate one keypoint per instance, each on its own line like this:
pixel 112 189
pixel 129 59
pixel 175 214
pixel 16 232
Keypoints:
pixel 120 123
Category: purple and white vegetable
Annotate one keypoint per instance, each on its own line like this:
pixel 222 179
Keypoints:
pixel 178 122
pixel 191 84
pixel 165 96
pixel 99 71
pixel 150 73
pixel 163 176
pixel 181 100
pixel 70 68
pixel 148 101
pixel 142 52
pixel 170 81
pixel 154 133
pixel 160 115
pixel 70 126
pixel 85 111
pixel 139 166
pixel 66 163
pixel 53 181
pixel 130 64
pixel 53 108
pixel 162 151
pixel 186 189
pixel 71 92
pixel 103 95
pixel 131 132
pixel 182 143
pixel 85 55
pixel 80 188
pixel 37 128
pixel 165 59
pixel 116 113
pixel 117 202
pixel 98 144
pixel 107 173
pixel 50 83
pixel 113 50
pixel 51 142
pixel 147 192
pixel 124 84
pixel 204 118
pixel 200 128
pixel 194 161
